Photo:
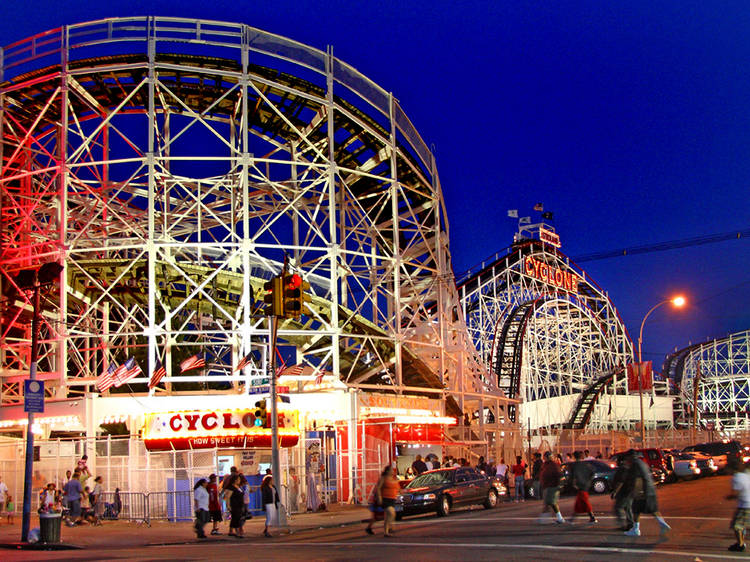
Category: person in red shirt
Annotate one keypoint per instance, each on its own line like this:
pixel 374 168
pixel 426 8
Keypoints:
pixel 518 471
pixel 214 507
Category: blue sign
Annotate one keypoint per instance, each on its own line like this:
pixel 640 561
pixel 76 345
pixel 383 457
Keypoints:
pixel 33 396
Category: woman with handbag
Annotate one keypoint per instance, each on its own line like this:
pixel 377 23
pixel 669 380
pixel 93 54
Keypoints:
pixel 234 497
pixel 385 494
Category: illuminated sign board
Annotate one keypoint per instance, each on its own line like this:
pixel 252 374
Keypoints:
pixel 556 276
pixel 206 429
pixel 549 237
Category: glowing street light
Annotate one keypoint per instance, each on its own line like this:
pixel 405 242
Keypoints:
pixel 678 302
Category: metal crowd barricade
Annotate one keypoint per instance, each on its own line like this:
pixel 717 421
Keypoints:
pixel 171 506
pixel 126 506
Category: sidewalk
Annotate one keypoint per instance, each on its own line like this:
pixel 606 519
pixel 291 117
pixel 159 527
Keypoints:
pixel 127 534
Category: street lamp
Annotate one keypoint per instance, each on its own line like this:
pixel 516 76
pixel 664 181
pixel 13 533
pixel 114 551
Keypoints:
pixel 32 280
pixel 678 302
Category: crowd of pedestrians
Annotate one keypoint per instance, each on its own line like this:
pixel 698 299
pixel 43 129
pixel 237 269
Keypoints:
pixel 234 491
pixel 633 492
pixel 80 500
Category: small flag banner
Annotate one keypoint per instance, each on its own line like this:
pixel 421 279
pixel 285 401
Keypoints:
pixel 157 375
pixel 194 362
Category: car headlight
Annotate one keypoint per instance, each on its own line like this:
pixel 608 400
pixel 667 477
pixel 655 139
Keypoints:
pixel 428 497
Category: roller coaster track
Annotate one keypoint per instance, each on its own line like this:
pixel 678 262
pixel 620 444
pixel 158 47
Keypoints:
pixel 589 399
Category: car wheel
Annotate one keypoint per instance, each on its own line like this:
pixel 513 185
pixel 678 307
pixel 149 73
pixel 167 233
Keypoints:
pixel 444 507
pixel 599 486
pixel 491 500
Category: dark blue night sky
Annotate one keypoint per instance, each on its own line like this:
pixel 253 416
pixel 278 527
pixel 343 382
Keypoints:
pixel 627 120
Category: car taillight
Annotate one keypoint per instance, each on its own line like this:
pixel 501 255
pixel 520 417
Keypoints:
pixel 693 464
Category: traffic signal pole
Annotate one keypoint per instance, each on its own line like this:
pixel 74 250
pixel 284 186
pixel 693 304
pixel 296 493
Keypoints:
pixel 273 324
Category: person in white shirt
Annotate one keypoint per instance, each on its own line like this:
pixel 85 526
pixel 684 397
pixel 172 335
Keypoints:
pixel 200 494
pixel 587 456
pixel 502 470
pixel 741 491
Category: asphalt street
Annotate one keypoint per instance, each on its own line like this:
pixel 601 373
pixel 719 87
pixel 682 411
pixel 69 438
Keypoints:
pixel 697 511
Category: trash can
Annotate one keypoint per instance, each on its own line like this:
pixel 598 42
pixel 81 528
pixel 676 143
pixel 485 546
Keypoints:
pixel 49 527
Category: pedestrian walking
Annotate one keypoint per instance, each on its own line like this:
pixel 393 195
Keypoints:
pixel 582 474
pixel 234 498
pixel 389 491
pixel 73 492
pixel 621 493
pixel 518 471
pixel 270 500
pixel 643 493
pixel 214 505
pixel 98 500
pixel 549 478
pixel 536 468
pixel 200 498
pixel 741 519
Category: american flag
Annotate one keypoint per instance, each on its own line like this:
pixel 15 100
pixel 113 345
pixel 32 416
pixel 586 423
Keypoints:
pixel 319 378
pixel 244 362
pixel 127 371
pixel 194 362
pixel 292 371
pixel 106 379
pixel 157 375
pixel 539 207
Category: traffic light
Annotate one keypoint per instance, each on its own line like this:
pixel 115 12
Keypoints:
pixel 295 295
pixel 261 416
pixel 274 297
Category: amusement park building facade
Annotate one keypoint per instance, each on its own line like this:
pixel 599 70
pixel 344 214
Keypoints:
pixel 173 167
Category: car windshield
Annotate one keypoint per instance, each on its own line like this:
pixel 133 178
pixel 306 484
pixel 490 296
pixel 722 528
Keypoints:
pixel 429 479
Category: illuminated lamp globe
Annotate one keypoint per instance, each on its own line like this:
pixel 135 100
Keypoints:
pixel 679 301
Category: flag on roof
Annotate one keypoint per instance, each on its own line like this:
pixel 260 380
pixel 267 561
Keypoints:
pixel 548 215
pixel 127 371
pixel 524 220
pixel 195 362
pixel 291 371
pixel 157 375
pixel 244 362
pixel 319 378
pixel 513 213
pixel 539 207
pixel 106 379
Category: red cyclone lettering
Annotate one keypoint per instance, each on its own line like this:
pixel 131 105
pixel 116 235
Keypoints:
pixel 559 277
pixel 192 419
pixel 207 418
pixel 248 419
pixel 529 265
pixel 172 423
pixel 228 422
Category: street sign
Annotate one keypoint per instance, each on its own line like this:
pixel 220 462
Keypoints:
pixel 266 389
pixel 33 396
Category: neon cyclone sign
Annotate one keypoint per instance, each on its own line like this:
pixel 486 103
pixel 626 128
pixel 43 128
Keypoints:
pixel 556 276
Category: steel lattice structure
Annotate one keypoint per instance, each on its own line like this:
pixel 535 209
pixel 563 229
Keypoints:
pixel 545 330
pixel 716 375
pixel 174 165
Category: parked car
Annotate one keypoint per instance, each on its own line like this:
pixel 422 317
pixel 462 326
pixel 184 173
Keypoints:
pixel 445 489
pixel 685 467
pixel 604 472
pixel 726 454
pixel 653 458
pixel 705 463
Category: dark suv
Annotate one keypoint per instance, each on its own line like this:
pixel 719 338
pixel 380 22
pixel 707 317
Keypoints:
pixel 726 454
